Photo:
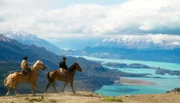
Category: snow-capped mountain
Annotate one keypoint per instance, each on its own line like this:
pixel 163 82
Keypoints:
pixel 3 38
pixel 21 36
pixel 139 43
pixel 30 39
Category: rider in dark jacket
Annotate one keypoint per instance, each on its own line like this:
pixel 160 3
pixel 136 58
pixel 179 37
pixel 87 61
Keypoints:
pixel 62 64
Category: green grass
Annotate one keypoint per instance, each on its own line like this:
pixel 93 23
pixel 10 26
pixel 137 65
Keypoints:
pixel 90 94
pixel 34 99
pixel 112 99
pixel 52 101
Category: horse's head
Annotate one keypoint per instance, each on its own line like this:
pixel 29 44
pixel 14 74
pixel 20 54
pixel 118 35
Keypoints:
pixel 77 67
pixel 40 65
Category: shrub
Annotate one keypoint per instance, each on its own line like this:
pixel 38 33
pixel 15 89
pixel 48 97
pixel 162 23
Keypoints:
pixel 34 99
pixel 112 99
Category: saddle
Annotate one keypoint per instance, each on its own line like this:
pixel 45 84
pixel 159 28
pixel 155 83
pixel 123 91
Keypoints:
pixel 26 71
pixel 62 71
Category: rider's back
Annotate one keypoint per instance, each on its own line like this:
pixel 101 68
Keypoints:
pixel 63 65
pixel 24 65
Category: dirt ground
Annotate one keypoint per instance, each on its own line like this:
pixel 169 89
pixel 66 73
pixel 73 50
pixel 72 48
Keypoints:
pixel 88 97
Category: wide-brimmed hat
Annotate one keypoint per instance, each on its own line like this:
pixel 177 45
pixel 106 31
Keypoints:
pixel 25 57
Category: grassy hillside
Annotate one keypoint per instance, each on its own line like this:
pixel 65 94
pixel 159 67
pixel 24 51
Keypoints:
pixel 88 97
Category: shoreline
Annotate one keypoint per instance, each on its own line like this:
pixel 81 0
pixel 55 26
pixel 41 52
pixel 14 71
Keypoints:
pixel 127 81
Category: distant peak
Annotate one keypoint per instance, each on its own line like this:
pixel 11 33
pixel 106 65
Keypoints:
pixel 18 34
pixel 3 38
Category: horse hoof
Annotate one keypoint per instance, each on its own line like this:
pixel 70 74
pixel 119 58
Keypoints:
pixel 7 94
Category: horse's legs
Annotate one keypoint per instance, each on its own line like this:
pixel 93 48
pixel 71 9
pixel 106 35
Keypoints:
pixel 54 86
pixel 65 84
pixel 47 86
pixel 15 85
pixel 9 88
pixel 72 87
pixel 33 87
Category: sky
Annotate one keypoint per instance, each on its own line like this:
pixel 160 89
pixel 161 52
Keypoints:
pixel 92 18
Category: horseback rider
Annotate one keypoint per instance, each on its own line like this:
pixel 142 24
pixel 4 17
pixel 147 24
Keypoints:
pixel 25 67
pixel 62 65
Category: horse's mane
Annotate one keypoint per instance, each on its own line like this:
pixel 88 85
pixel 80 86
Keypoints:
pixel 71 67
pixel 38 61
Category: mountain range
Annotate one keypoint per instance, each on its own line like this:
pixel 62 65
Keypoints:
pixel 13 51
pixel 119 48
pixel 30 39
pixel 135 43
pixel 131 48
pixel 159 42
pixel 136 48
pixel 172 55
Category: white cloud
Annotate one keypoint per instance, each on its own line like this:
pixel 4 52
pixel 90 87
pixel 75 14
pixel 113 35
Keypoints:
pixel 26 4
pixel 86 20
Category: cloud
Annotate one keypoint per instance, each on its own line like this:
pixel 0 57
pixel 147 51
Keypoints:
pixel 26 4
pixel 89 20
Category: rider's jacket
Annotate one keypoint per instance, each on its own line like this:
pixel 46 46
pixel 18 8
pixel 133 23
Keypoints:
pixel 24 65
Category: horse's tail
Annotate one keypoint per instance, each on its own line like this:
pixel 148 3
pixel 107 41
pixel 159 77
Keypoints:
pixel 8 80
pixel 48 77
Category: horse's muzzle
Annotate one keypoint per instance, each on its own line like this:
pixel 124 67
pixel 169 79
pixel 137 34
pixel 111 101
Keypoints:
pixel 80 70
pixel 44 68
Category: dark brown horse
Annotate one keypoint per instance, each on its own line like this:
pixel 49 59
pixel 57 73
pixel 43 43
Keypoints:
pixel 68 77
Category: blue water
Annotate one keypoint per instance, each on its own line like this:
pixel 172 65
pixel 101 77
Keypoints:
pixel 134 70
pixel 163 84
pixel 172 66
pixel 144 70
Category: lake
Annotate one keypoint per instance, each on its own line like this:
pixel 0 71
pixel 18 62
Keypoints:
pixel 163 84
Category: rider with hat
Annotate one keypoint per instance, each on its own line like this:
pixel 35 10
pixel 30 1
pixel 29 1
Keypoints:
pixel 25 67
pixel 62 64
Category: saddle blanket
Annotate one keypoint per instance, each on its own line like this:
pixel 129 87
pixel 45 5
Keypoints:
pixel 62 71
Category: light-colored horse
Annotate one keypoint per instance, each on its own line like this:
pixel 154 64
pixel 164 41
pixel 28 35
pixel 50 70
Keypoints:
pixel 66 78
pixel 13 79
